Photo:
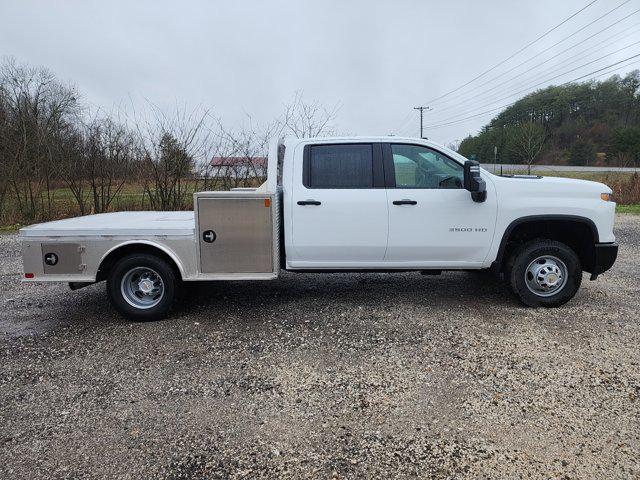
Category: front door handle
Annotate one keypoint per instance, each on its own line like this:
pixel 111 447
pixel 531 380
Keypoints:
pixel 308 202
pixel 405 202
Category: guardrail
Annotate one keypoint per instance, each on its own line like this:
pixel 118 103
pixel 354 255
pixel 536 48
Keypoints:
pixel 495 168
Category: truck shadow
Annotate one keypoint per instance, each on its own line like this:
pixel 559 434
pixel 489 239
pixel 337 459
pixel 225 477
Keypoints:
pixel 293 298
pixel 310 292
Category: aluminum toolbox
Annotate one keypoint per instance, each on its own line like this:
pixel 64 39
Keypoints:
pixel 237 234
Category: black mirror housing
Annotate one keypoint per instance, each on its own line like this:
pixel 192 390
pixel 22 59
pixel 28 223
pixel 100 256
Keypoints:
pixel 473 181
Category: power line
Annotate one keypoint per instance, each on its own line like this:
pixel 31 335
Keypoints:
pixel 547 60
pixel 543 82
pixel 567 49
pixel 538 77
pixel 540 37
pixel 519 51
pixel 438 125
pixel 512 103
pixel 516 101
pixel 543 51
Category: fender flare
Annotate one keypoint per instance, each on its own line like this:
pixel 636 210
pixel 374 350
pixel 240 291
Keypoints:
pixel 535 218
pixel 148 243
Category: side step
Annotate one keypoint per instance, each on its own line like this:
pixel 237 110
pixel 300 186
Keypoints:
pixel 79 285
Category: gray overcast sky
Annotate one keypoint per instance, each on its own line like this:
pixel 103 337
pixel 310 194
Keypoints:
pixel 377 59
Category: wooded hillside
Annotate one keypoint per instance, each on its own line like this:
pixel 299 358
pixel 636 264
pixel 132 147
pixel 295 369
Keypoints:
pixel 591 123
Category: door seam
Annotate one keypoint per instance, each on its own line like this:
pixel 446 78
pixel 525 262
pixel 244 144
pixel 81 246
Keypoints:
pixel 386 248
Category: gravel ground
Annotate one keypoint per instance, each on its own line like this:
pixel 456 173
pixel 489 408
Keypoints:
pixel 345 376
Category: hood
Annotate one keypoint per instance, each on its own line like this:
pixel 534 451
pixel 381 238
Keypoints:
pixel 557 185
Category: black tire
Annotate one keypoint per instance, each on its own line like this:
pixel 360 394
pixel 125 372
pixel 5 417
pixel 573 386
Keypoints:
pixel 516 271
pixel 146 261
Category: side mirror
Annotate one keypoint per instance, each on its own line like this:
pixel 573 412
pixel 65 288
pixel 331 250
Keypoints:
pixel 474 182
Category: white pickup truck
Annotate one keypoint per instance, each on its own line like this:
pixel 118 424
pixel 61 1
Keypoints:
pixel 339 205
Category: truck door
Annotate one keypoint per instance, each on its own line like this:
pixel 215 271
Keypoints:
pixel 433 222
pixel 339 207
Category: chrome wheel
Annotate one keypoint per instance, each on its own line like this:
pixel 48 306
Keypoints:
pixel 142 287
pixel 546 276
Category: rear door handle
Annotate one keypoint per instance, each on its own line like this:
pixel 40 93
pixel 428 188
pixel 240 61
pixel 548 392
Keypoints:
pixel 308 202
pixel 405 202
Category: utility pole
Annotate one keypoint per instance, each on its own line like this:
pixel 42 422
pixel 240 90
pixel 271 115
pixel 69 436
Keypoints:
pixel 422 109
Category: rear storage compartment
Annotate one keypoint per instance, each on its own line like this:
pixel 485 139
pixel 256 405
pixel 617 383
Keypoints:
pixel 237 233
pixel 62 258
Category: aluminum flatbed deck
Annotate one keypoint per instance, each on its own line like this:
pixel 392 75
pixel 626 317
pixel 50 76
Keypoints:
pixel 117 224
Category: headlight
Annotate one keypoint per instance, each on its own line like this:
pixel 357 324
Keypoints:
pixel 607 197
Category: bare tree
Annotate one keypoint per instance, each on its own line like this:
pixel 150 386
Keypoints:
pixel 36 106
pixel 72 165
pixel 454 145
pixel 96 160
pixel 241 152
pixel 110 151
pixel 4 151
pixel 46 141
pixel 526 141
pixel 170 148
pixel 304 119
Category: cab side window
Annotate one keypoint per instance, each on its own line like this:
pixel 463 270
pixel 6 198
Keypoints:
pixel 421 167
pixel 339 166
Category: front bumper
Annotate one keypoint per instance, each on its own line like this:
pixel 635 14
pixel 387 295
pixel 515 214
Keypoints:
pixel 605 257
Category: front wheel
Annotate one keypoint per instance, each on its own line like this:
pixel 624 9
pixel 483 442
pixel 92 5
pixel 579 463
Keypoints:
pixel 142 287
pixel 545 273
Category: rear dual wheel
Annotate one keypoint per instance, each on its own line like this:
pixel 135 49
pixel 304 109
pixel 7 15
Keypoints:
pixel 544 273
pixel 142 287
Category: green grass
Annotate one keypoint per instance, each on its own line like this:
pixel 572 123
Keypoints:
pixel 9 228
pixel 633 209
pixel 64 205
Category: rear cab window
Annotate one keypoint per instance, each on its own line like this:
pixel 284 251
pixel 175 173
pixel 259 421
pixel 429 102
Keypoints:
pixel 343 166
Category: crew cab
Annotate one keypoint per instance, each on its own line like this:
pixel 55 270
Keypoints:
pixel 340 205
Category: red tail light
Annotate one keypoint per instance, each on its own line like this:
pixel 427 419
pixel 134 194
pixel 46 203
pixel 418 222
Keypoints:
pixel 29 275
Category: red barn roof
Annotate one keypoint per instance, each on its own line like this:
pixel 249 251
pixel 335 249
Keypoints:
pixel 235 161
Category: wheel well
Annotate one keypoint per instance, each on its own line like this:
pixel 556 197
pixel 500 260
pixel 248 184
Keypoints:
pixel 578 234
pixel 109 261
